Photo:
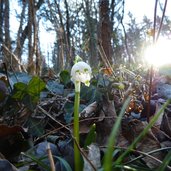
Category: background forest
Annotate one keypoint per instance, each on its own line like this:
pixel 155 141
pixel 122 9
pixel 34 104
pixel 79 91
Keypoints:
pixel 90 29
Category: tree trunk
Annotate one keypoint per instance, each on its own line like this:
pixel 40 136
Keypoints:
pixel 31 65
pixel 20 42
pixel 105 29
pixel 91 27
pixel 6 25
pixel 68 36
pixel 36 47
pixel 1 20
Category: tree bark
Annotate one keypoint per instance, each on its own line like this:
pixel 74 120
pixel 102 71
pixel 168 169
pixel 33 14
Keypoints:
pixel 1 20
pixel 91 28
pixel 105 29
pixel 6 25
pixel 19 47
pixel 31 65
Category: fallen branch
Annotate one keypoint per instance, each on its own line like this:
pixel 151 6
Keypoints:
pixel 21 67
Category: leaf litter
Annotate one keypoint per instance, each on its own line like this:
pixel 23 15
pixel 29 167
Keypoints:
pixel 38 112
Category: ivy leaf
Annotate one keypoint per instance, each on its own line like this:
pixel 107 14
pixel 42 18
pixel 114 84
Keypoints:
pixel 35 86
pixel 19 90
pixel 64 77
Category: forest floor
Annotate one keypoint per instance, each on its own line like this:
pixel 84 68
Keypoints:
pixel 37 113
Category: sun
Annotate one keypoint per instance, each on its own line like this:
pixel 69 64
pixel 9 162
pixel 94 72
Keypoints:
pixel 159 53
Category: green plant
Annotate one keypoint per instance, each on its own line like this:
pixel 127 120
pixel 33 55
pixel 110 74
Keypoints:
pixel 28 94
pixel 112 139
pixel 141 135
pixel 80 73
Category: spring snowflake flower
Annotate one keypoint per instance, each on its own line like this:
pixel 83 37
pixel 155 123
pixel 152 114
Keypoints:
pixel 81 73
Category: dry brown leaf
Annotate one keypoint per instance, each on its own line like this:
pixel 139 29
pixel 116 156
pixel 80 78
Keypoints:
pixel 89 110
pixel 160 135
pixel 122 141
pixel 94 157
pixel 6 130
pixel 147 144
pixel 160 118
pixel 104 126
pixel 166 122
pixel 165 144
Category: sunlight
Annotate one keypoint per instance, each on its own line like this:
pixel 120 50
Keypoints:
pixel 159 54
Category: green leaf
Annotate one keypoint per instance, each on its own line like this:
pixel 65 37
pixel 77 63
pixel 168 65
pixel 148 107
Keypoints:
pixel 35 86
pixel 20 90
pixel 91 136
pixel 69 107
pixel 64 163
pixel 165 163
pixel 38 160
pixel 88 94
pixel 112 139
pixel 142 134
pixel 64 77
pixel 20 86
pixel 36 126
pixel 30 101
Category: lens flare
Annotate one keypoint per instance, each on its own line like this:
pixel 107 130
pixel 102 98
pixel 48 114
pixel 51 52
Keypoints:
pixel 159 54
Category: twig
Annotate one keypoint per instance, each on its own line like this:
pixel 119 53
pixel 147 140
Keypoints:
pixel 47 114
pixel 21 67
pixel 66 126
pixel 154 24
pixel 151 68
pixel 92 165
pixel 6 73
pixel 49 152
pixel 148 154
pixel 149 93
pixel 161 23
pixel 143 154
pixel 125 34
pixel 104 57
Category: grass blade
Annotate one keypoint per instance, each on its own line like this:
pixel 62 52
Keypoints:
pixel 142 134
pixel 112 139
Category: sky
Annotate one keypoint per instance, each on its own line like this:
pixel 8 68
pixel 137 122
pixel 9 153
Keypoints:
pixel 138 8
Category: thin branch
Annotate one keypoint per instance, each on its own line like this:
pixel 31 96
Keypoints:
pixel 161 23
pixel 104 57
pixel 154 24
pixel 71 124
pixel 50 156
pixel 47 114
pixel 84 155
pixel 21 67
pixel 125 34
pixel 148 154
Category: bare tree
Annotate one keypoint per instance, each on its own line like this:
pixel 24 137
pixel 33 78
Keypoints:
pixel 20 36
pixel 1 20
pixel 91 27
pixel 34 66
pixel 105 29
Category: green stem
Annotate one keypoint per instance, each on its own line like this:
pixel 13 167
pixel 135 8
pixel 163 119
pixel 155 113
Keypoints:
pixel 76 129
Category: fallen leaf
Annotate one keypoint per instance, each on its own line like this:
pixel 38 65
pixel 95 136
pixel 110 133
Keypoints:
pixel 89 110
pixel 166 122
pixel 94 157
pixel 6 165
pixel 6 130
pixel 147 144
pixel 105 126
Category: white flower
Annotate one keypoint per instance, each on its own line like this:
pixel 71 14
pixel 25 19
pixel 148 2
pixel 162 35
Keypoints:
pixel 81 72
